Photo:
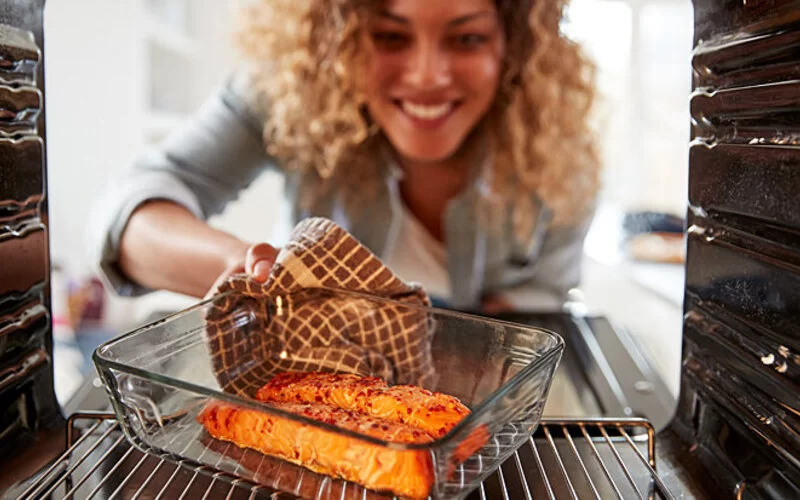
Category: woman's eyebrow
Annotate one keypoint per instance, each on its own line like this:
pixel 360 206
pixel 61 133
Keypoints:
pixel 470 17
pixel 393 17
pixel 455 22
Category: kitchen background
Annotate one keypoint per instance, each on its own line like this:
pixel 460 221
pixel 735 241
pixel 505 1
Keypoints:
pixel 122 73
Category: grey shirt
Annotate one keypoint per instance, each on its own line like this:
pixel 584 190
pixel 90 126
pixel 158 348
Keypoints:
pixel 208 162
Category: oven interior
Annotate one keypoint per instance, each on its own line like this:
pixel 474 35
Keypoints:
pixel 734 431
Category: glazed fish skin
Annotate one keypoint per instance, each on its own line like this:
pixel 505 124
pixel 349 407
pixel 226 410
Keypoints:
pixel 435 413
pixel 341 390
pixel 407 473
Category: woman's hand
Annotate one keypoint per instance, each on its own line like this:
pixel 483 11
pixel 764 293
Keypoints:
pixel 257 263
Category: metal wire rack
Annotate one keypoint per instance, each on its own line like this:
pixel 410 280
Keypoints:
pixel 576 459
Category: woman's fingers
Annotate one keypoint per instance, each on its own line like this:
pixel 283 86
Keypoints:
pixel 259 260
pixel 257 263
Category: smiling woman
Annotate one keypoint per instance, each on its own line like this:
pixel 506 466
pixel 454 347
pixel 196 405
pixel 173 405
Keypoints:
pixel 504 62
pixel 451 138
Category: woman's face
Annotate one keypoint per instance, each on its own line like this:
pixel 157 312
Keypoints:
pixel 433 72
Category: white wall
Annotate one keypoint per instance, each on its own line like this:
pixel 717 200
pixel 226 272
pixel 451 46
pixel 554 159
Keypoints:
pixel 644 80
pixel 92 102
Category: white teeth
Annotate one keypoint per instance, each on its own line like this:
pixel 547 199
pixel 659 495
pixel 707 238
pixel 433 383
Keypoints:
pixel 427 112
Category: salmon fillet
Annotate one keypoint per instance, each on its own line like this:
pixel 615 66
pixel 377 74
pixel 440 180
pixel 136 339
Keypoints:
pixel 407 473
pixel 433 412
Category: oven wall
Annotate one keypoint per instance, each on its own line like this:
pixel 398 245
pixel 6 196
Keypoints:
pixel 741 362
pixel 27 400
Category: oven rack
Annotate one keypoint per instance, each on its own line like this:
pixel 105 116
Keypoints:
pixel 566 458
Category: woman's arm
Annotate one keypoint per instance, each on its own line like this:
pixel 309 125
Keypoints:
pixel 166 247
pixel 150 230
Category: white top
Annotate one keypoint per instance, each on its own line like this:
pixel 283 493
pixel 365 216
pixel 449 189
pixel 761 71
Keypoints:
pixel 420 258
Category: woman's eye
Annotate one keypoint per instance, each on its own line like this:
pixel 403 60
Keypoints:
pixel 470 40
pixel 391 40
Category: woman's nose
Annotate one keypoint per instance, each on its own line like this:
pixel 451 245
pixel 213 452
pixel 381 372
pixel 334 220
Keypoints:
pixel 428 67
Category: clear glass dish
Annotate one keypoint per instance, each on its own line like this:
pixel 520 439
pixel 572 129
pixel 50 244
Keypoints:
pixel 160 376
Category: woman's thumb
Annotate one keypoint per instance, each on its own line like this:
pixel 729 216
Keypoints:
pixel 259 260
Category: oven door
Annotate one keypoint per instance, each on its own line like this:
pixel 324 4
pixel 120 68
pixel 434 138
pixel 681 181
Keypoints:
pixel 603 372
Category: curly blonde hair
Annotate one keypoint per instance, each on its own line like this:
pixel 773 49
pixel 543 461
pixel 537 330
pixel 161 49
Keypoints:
pixel 306 53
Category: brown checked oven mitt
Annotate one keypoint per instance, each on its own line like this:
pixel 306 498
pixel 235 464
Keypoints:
pixel 294 322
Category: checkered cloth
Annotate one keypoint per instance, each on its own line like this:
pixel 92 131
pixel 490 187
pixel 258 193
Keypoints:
pixel 295 322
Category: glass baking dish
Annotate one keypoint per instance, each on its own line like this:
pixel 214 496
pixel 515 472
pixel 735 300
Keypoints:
pixel 160 376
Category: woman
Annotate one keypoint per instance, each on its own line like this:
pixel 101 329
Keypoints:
pixel 449 137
